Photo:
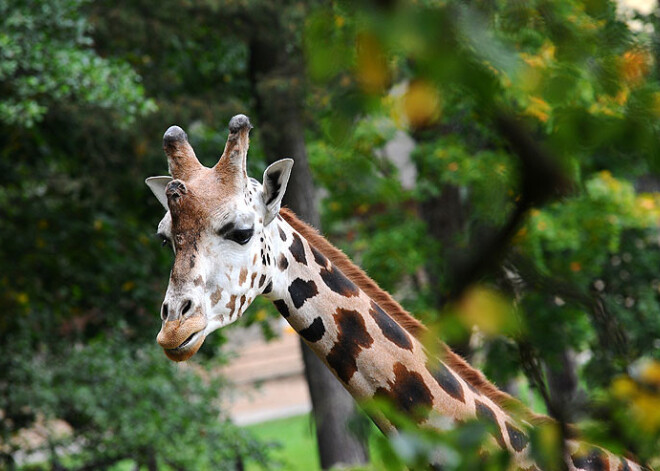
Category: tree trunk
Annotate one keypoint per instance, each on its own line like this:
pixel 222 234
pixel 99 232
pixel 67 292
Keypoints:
pixel 445 219
pixel 563 387
pixel 152 462
pixel 276 83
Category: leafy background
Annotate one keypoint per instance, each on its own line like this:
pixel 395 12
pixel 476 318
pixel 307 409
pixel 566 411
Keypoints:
pixel 565 307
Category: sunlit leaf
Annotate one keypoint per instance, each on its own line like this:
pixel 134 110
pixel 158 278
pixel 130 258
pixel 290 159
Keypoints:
pixel 488 310
pixel 421 104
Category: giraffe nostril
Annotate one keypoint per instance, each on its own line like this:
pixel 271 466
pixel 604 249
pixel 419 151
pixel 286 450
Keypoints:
pixel 186 307
pixel 163 312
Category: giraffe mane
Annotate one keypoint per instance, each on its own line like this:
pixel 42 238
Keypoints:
pixel 402 317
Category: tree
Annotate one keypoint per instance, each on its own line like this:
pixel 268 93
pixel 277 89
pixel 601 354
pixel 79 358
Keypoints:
pixel 544 260
pixel 47 60
pixel 82 277
pixel 487 89
pixel 278 85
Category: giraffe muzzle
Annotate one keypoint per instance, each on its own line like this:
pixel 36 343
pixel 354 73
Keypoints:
pixel 181 338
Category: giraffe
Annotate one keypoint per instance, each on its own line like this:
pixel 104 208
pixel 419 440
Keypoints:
pixel 232 241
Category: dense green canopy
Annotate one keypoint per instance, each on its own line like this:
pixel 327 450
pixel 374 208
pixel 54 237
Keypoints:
pixel 522 228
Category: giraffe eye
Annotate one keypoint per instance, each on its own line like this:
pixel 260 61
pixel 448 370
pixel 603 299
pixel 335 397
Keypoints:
pixel 164 239
pixel 240 236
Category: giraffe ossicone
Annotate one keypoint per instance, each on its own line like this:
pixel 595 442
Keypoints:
pixel 232 242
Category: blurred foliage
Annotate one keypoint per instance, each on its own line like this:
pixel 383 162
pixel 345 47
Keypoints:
pixel 581 82
pixel 80 265
pixel 119 404
pixel 46 59
pixel 87 90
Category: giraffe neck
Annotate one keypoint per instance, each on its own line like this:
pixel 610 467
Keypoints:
pixel 370 353
pixel 373 356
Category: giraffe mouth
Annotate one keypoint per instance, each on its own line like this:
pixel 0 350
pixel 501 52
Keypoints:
pixel 187 348
pixel 187 341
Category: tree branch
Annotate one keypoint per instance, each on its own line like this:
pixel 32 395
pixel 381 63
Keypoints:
pixel 542 180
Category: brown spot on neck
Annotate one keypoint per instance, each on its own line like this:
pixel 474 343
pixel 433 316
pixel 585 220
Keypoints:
pixel 282 263
pixel 297 249
pixel 447 381
pixel 355 274
pixel 352 337
pixel 408 392
pixel 390 329
pixel 517 438
pixel 486 414
pixel 472 376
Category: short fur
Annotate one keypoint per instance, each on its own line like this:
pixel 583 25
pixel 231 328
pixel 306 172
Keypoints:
pixel 406 320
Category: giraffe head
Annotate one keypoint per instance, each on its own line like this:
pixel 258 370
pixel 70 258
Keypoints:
pixel 216 223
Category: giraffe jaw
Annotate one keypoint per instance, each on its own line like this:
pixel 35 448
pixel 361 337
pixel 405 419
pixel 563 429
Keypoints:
pixel 220 321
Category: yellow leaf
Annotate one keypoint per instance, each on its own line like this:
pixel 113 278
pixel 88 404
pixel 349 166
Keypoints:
pixel 649 372
pixel 289 330
pixel 643 402
pixel 544 58
pixel 421 104
pixel 549 443
pixel 372 72
pixel 538 108
pixel 261 314
pixel 622 96
pixel 128 286
pixel 23 298
pixel 488 310
pixel 646 202
pixel 533 60
pixel 634 66
pixel 647 408
pixel 547 52
pixel 520 235
pixel 607 105
pixel 623 388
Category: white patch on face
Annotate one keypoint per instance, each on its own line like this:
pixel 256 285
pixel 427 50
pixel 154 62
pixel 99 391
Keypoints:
pixel 229 267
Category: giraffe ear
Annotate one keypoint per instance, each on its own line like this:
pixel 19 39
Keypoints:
pixel 276 178
pixel 157 185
